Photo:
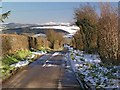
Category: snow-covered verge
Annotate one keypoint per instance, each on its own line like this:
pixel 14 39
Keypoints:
pixel 39 52
pixel 13 63
pixel 28 59
pixel 92 71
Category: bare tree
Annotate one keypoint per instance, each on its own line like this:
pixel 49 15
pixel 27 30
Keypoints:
pixel 54 37
pixel 108 33
pixel 86 18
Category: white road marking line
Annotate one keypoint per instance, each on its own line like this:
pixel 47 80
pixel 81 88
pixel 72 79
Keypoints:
pixel 59 85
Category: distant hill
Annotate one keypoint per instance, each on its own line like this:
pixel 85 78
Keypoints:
pixel 65 28
pixel 17 25
pixel 28 30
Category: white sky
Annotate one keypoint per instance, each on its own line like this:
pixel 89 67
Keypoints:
pixel 60 0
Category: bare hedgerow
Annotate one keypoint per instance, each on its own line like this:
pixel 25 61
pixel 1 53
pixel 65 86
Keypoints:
pixel 108 34
pixel 13 42
pixel 77 41
pixel 100 31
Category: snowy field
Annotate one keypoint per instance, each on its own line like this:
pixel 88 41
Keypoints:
pixel 70 29
pixel 89 68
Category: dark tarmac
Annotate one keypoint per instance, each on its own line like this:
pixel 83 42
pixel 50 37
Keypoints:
pixel 51 72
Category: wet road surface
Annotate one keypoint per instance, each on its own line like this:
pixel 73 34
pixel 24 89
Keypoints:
pixel 51 71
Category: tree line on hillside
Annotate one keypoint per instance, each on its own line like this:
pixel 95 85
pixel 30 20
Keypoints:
pixel 98 33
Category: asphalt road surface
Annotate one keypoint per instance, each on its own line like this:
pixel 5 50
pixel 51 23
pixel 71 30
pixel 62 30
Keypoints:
pixel 51 71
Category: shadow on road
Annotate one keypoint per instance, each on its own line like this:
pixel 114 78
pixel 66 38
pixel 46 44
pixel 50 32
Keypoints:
pixel 50 72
